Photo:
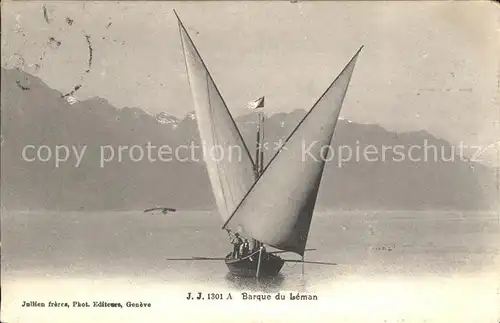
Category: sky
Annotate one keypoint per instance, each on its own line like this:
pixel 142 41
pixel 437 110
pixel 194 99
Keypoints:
pixel 425 65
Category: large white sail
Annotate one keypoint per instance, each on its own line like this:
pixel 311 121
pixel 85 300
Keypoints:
pixel 229 165
pixel 278 208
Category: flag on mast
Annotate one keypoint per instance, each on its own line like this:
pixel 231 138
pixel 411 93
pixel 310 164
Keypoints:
pixel 259 103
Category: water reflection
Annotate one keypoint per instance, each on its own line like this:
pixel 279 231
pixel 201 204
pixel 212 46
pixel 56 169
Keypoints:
pixel 263 284
pixel 266 284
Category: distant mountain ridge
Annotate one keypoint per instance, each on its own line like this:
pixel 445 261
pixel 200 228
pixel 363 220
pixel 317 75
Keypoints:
pixel 34 114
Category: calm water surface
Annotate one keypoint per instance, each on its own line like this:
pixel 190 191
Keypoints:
pixel 397 265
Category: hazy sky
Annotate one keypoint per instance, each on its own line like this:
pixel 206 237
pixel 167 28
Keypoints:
pixel 425 65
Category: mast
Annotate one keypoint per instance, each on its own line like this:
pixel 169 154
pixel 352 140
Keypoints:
pixel 257 149
pixel 259 164
pixel 259 167
pixel 262 142
pixel 259 142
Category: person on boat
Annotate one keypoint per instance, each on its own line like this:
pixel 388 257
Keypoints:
pixel 263 252
pixel 257 244
pixel 246 248
pixel 242 250
pixel 252 245
pixel 237 243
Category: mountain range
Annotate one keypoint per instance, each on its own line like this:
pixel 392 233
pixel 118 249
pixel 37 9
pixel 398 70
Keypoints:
pixel 34 114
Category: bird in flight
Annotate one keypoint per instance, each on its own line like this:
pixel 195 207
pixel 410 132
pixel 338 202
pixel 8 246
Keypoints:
pixel 164 210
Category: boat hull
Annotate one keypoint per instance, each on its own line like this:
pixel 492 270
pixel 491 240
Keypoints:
pixel 270 265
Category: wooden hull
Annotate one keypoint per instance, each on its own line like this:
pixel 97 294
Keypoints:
pixel 270 265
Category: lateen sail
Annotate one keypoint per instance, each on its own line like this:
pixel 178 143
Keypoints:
pixel 278 208
pixel 229 165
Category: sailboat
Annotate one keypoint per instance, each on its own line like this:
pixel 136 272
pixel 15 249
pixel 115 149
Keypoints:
pixel 271 204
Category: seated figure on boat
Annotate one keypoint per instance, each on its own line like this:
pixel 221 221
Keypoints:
pixel 237 243
pixel 244 249
pixel 263 252
pixel 251 245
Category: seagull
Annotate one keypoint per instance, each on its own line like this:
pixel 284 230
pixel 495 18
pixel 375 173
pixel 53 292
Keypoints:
pixel 164 210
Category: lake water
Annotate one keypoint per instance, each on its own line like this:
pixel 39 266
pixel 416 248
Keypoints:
pixel 392 267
